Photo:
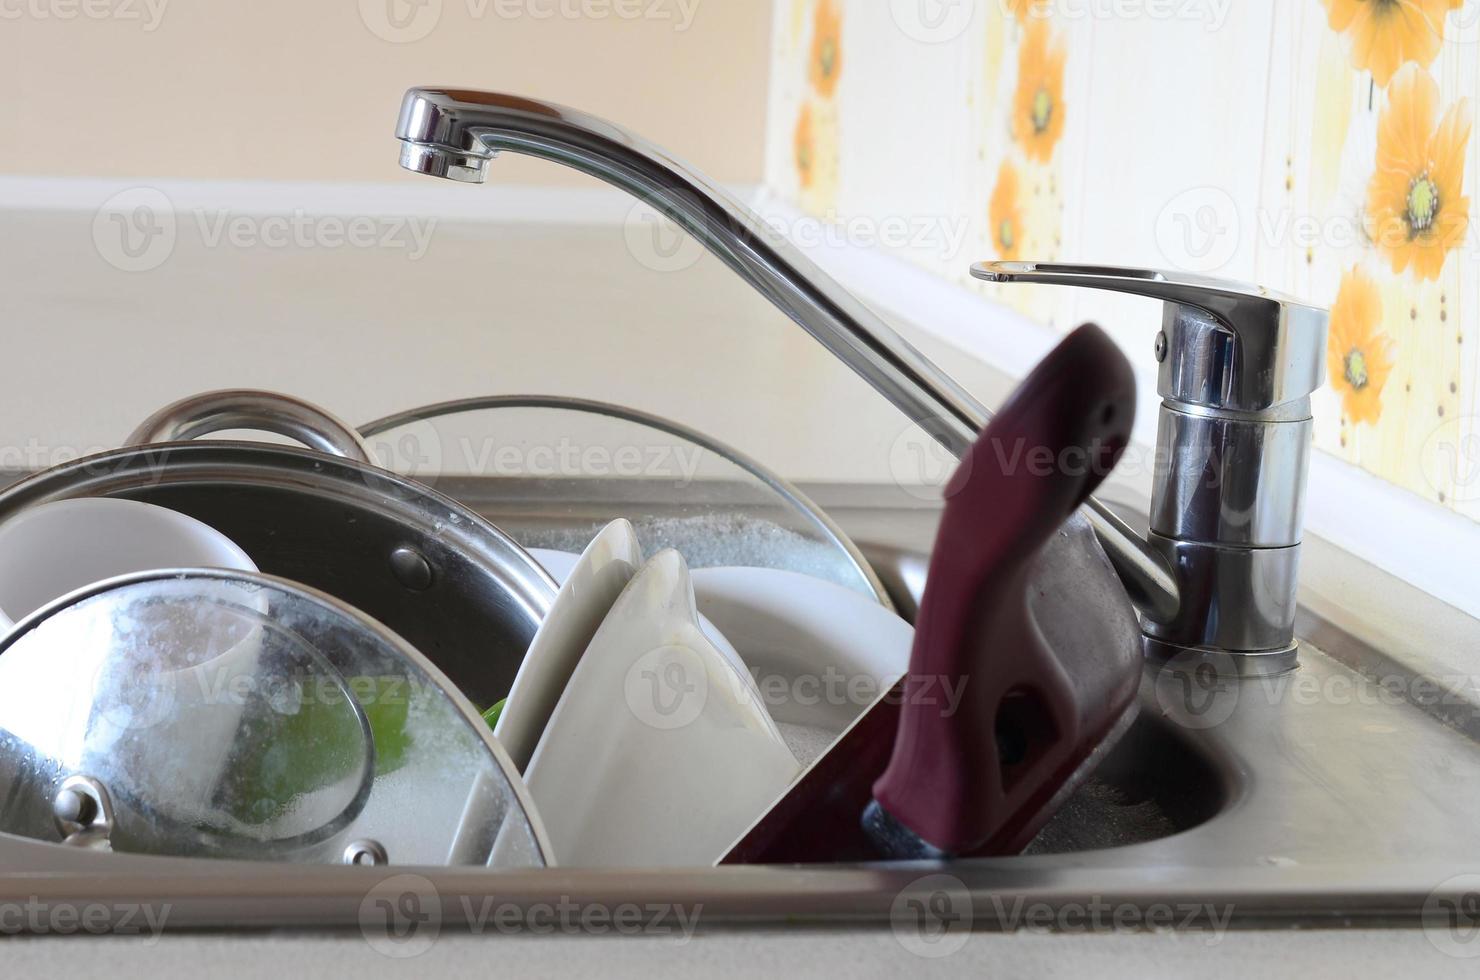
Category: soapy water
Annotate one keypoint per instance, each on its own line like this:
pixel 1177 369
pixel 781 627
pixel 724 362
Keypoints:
pixel 806 742
pixel 718 540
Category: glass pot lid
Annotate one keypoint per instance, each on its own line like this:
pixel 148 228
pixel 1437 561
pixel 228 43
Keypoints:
pixel 208 713
pixel 554 471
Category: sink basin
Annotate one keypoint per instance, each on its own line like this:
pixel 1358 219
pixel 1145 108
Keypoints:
pixel 1306 799
pixel 1156 782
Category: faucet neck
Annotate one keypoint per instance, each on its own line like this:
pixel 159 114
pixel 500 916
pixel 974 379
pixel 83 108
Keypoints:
pixel 454 133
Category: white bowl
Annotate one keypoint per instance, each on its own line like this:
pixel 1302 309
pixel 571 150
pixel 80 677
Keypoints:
pixel 51 549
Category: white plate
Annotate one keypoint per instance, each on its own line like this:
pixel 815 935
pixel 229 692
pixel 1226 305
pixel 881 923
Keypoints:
pixel 588 588
pixel 659 752
pixel 560 564
pixel 820 653
pixel 803 639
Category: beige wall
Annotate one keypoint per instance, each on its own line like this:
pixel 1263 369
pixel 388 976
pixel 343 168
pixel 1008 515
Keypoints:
pixel 308 90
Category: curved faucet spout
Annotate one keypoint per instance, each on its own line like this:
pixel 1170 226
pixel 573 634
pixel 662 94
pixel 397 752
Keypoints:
pixel 455 133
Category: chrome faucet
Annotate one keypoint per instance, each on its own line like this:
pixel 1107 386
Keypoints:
pixel 1238 366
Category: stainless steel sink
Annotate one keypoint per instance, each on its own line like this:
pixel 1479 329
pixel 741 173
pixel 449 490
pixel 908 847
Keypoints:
pixel 1156 781
pixel 1326 797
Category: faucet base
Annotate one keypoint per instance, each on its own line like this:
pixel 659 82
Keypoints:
pixel 1221 663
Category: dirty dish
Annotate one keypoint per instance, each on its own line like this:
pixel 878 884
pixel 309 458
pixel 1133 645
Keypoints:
pixel 820 653
pixel 586 594
pixel 560 563
pixel 659 751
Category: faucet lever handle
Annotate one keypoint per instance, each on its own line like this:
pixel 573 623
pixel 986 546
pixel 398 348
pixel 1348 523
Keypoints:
pixel 1228 344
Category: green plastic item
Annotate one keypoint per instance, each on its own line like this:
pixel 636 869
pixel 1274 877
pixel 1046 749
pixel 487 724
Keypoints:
pixel 320 743
pixel 491 715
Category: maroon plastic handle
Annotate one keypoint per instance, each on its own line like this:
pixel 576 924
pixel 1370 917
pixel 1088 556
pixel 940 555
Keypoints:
pixel 981 778
pixel 965 771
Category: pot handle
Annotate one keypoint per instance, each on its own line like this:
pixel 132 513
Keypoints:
pixel 264 411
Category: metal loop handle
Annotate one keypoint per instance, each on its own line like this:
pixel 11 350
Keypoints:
pixel 264 411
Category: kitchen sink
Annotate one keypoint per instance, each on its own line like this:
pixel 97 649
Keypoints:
pixel 1335 795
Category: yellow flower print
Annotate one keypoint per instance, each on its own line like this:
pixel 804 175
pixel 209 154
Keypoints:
pixel 827 48
pixel 805 147
pixel 1415 202
pixel 1358 352
pixel 1038 106
pixel 1024 10
pixel 1006 214
pixel 1387 34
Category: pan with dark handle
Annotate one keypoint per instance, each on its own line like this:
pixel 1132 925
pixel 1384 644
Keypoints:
pixel 971 751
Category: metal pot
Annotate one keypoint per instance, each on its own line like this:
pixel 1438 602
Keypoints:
pixel 447 581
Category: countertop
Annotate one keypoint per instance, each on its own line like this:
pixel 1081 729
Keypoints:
pixel 763 954
pixel 481 309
